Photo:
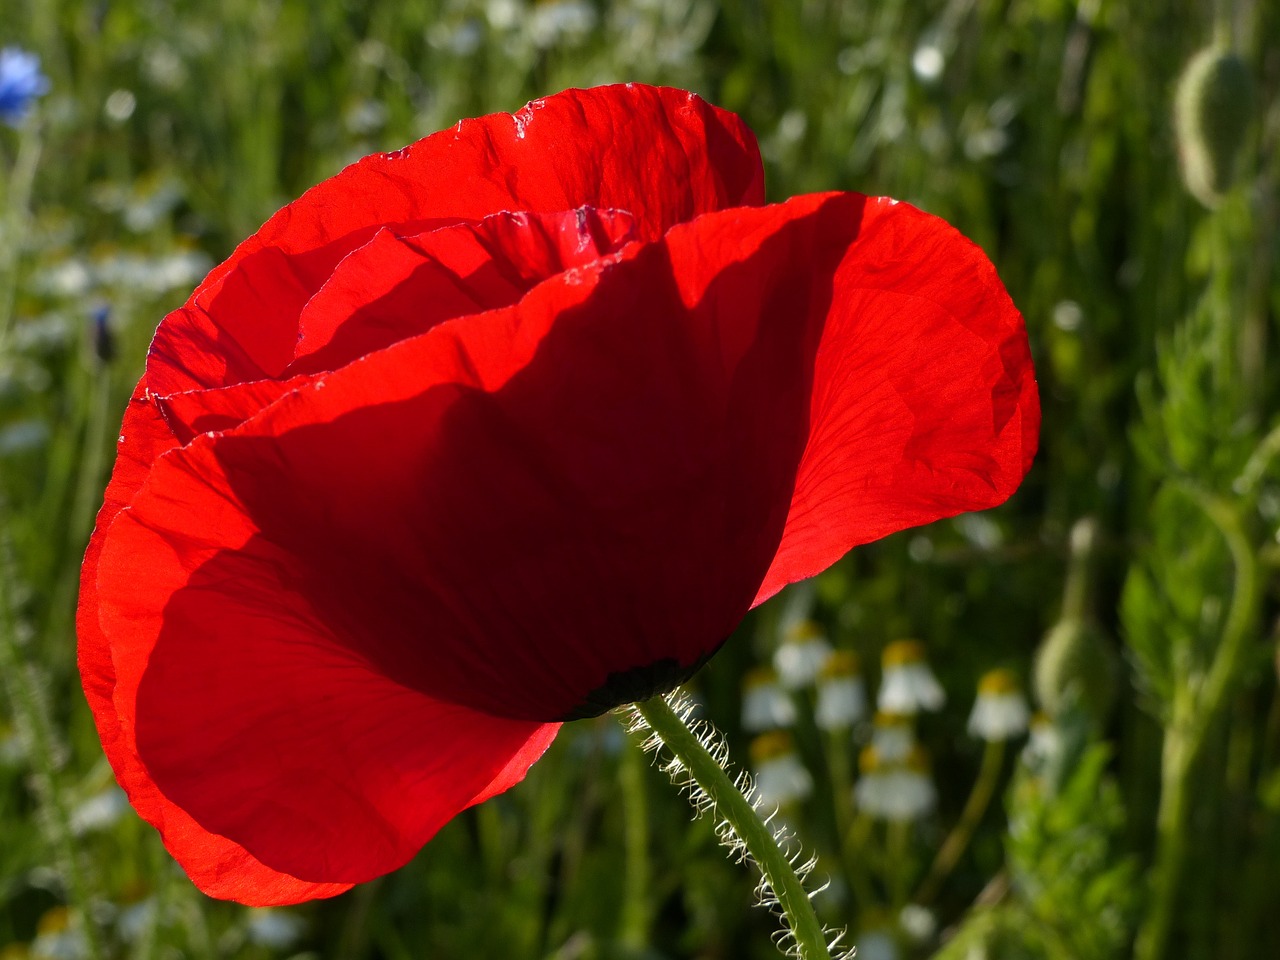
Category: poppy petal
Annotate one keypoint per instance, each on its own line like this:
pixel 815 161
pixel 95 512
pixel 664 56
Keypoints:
pixel 732 347
pixel 199 411
pixel 399 286
pixel 241 323
pixel 591 483
pixel 395 287
pixel 493 520
pixel 218 866
pixel 256 722
pixel 924 396
pixel 519 763
pixel 143 437
pixel 662 154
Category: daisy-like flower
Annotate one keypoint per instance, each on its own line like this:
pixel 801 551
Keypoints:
pixel 842 694
pixel 135 919
pixel 893 736
pixel 271 927
pixel 99 811
pixel 1000 711
pixel 895 791
pixel 1044 744
pixel 908 685
pixel 781 779
pixel 878 945
pixel 59 937
pixel 917 922
pixel 802 655
pixel 765 705
pixel 20 83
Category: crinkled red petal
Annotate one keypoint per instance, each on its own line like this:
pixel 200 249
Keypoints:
pixel 253 718
pixel 200 411
pixel 220 867
pixel 924 396
pixel 395 287
pixel 516 508
pixel 664 155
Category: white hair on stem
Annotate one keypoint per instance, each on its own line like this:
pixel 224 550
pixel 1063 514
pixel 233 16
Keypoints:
pixel 713 741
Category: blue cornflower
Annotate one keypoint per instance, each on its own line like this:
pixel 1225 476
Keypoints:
pixel 20 82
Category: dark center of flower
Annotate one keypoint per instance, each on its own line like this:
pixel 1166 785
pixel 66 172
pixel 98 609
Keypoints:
pixel 634 685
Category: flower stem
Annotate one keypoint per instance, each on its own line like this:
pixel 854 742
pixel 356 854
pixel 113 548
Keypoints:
pixel 17 205
pixel 851 835
pixel 26 689
pixel 1171 845
pixel 1195 711
pixel 897 846
pixel 855 849
pixel 637 882
pixel 732 807
pixel 984 789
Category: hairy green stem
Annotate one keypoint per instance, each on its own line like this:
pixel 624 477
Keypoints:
pixel 730 805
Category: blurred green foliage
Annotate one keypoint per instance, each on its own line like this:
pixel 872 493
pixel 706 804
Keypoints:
pixel 1041 128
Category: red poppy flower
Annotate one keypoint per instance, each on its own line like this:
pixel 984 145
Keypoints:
pixel 499 430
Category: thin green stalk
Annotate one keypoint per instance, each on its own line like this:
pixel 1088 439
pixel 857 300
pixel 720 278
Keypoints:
pixel 961 834
pixel 1193 716
pixel 851 840
pixel 1241 615
pixel 637 908
pixel 897 844
pixel 1266 451
pixel 1223 22
pixel 144 947
pixel 860 843
pixel 1075 592
pixel 16 208
pixel 726 799
pixel 88 481
pixel 839 747
pixel 1171 845
pixel 23 688
pixel 353 940
pixel 192 920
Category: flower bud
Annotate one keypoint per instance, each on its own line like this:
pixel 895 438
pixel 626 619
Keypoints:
pixel 1075 664
pixel 104 340
pixel 1212 107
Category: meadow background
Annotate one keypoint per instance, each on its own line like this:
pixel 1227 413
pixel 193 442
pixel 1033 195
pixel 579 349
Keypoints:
pixel 1150 824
